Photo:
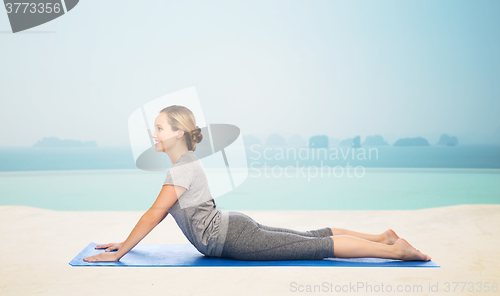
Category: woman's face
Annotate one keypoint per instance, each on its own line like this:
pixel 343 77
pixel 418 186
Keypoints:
pixel 164 134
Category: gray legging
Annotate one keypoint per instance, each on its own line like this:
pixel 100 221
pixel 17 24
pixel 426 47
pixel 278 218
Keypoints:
pixel 249 240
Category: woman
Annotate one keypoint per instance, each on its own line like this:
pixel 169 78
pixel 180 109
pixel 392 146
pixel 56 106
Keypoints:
pixel 185 195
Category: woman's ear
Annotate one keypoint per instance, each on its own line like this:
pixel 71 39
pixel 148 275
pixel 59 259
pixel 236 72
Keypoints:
pixel 180 134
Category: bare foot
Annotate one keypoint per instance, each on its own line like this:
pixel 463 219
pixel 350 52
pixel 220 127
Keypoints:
pixel 389 237
pixel 409 253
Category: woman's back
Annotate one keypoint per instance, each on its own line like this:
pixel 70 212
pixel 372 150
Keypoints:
pixel 195 211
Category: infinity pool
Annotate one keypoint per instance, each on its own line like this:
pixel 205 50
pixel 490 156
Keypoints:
pixel 376 189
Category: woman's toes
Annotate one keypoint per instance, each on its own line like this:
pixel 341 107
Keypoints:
pixel 408 252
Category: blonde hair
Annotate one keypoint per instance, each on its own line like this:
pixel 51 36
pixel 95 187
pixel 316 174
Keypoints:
pixel 181 118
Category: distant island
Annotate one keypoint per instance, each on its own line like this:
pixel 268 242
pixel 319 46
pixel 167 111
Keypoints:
pixel 56 142
pixel 319 141
pixel 418 141
pixel 346 142
pixel 447 140
pixel 275 140
pixel 376 140
pixel 356 142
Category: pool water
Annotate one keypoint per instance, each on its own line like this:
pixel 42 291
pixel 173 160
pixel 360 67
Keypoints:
pixel 375 189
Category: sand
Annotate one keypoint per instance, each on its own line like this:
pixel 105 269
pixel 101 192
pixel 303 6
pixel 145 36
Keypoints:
pixel 38 244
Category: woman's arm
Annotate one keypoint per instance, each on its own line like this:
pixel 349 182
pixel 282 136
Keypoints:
pixel 158 211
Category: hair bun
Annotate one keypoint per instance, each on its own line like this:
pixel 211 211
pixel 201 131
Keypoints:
pixel 196 135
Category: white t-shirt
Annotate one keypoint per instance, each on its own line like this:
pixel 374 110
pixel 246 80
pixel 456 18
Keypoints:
pixel 195 211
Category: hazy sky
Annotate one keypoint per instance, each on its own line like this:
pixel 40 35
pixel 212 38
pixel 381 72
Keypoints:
pixel 340 68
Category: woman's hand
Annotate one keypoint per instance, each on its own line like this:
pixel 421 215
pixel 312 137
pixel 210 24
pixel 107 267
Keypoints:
pixel 109 247
pixel 102 257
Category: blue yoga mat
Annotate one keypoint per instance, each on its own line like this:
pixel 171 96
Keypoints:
pixel 187 255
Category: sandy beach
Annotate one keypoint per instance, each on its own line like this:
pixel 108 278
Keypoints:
pixel 37 245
